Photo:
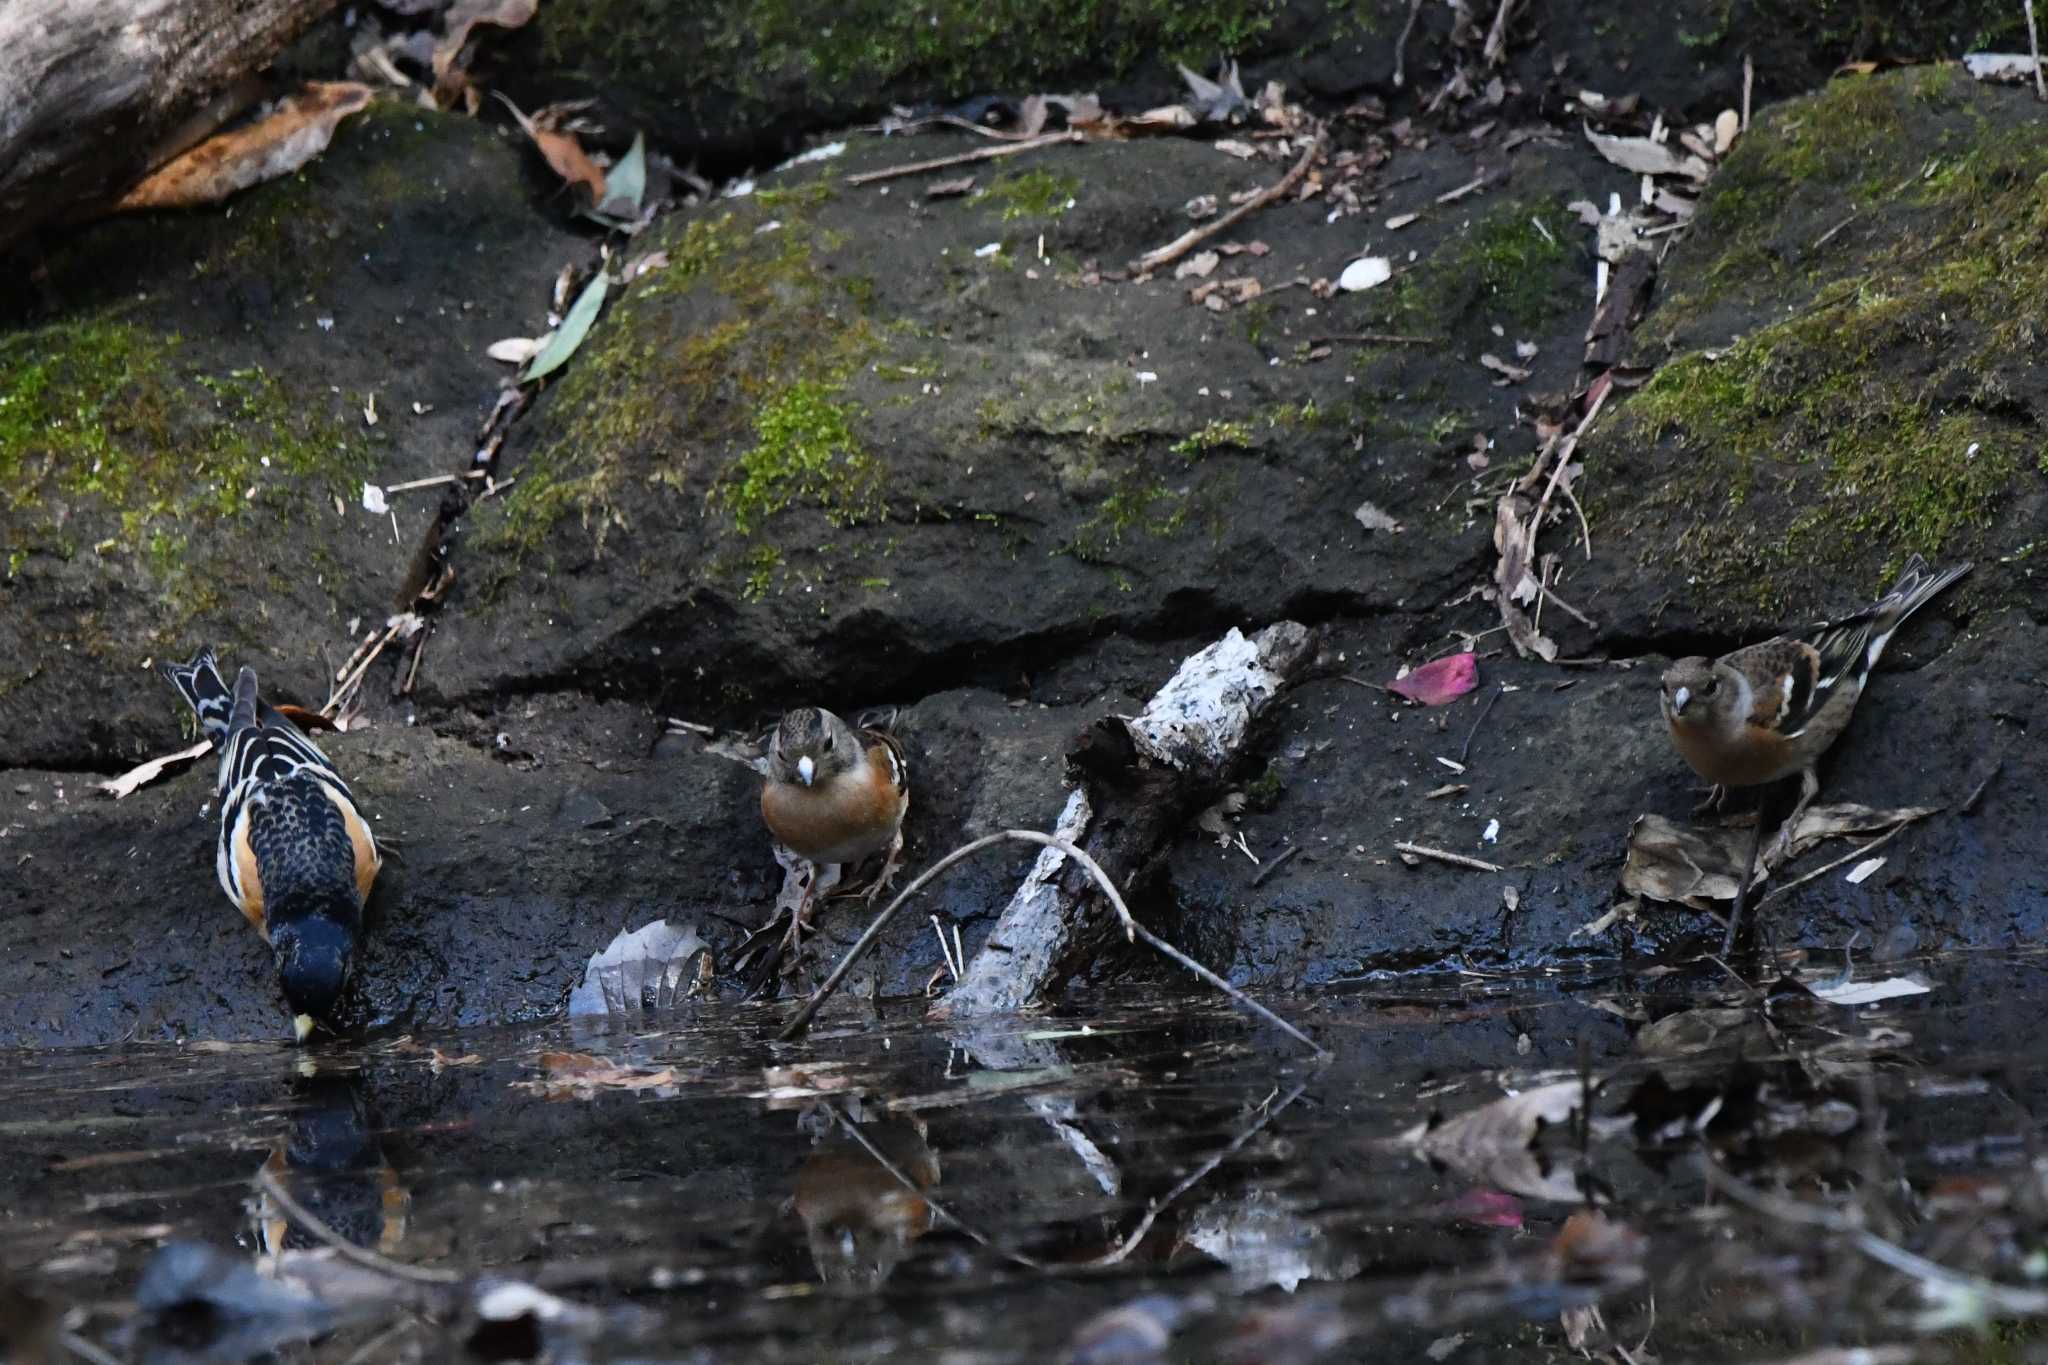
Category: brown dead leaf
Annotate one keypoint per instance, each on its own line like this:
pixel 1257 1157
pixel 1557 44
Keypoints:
pixel 1698 865
pixel 1198 266
pixel 295 132
pixel 563 152
pixel 578 1075
pixel 466 15
pixel 1494 1143
pixel 1644 157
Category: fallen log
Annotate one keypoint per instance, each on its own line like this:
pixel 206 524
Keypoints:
pixel 94 95
pixel 1138 783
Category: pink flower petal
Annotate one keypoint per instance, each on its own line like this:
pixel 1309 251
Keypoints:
pixel 1487 1209
pixel 1439 681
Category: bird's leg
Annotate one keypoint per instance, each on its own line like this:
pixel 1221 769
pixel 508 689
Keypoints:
pixel 888 873
pixel 1716 795
pixel 1781 846
pixel 824 876
pixel 1756 838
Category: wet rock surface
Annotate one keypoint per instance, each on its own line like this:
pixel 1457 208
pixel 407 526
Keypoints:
pixel 837 452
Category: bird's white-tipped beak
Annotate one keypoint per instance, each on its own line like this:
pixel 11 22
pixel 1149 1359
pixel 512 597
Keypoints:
pixel 1679 699
pixel 806 770
pixel 302 1025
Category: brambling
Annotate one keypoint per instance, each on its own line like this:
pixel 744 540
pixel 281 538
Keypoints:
pixel 834 797
pixel 296 856
pixel 1770 710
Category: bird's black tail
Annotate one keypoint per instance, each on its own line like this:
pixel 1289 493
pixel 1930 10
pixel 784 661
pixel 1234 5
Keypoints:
pixel 203 689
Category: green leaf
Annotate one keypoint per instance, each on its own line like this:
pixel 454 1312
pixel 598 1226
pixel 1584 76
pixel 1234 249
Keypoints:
pixel 570 334
pixel 624 187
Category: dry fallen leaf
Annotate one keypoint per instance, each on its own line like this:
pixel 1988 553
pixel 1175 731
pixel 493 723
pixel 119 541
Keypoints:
pixel 466 15
pixel 1198 265
pixel 293 133
pixel 1644 157
pixel 1366 272
pixel 515 350
pixel 128 783
pixel 1439 680
pixel 578 1075
pixel 1493 1143
pixel 564 153
pixel 947 189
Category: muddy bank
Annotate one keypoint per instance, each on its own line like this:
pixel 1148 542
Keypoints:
pixel 838 451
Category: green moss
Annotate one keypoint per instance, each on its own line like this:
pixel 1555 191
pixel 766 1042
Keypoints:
pixel 1030 194
pixel 96 416
pixel 804 447
pixel 1138 504
pixel 1872 459
pixel 1508 265
pixel 739 339
pixel 1215 436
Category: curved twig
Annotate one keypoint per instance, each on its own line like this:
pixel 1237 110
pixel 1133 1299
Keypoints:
pixel 267 1181
pixel 1133 930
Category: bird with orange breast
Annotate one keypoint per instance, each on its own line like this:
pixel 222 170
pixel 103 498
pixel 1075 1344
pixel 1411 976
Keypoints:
pixel 835 796
pixel 295 854
pixel 1770 710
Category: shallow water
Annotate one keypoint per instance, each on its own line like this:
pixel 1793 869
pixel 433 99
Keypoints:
pixel 689 1189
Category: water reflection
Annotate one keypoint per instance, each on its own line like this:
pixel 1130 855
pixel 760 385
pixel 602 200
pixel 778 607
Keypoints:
pixel 1494 1174
pixel 329 1161
pixel 860 1216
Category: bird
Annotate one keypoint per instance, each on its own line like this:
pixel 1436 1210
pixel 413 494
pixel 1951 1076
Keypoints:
pixel 1769 710
pixel 296 856
pixel 834 797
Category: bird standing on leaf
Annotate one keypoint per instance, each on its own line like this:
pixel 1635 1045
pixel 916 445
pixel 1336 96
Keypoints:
pixel 1769 710
pixel 834 797
pixel 296 856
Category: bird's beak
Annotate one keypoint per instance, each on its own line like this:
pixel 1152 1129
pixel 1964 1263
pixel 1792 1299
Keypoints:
pixel 806 770
pixel 302 1025
pixel 1679 699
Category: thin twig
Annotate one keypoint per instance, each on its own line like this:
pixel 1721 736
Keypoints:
pixel 1130 1243
pixel 1497 37
pixel 1879 842
pixel 1748 80
pixel 2034 47
pixel 1401 43
pixel 1357 681
pixel 1566 448
pixel 1584 530
pixel 1378 339
pixel 1454 859
pixel 267 1181
pixel 1279 862
pixel 1188 240
pixel 1567 607
pixel 902 1178
pixel 1829 235
pixel 983 154
pixel 1132 930
pixel 1484 712
pixel 86 1350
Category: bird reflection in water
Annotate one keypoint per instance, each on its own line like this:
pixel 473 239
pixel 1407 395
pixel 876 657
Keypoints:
pixel 329 1161
pixel 861 1220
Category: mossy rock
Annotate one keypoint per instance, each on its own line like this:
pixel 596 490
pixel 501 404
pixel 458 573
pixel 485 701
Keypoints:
pixel 1846 356
pixel 183 439
pixel 858 441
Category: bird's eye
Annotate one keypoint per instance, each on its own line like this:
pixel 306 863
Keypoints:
pixel 1709 689
pixel 827 745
